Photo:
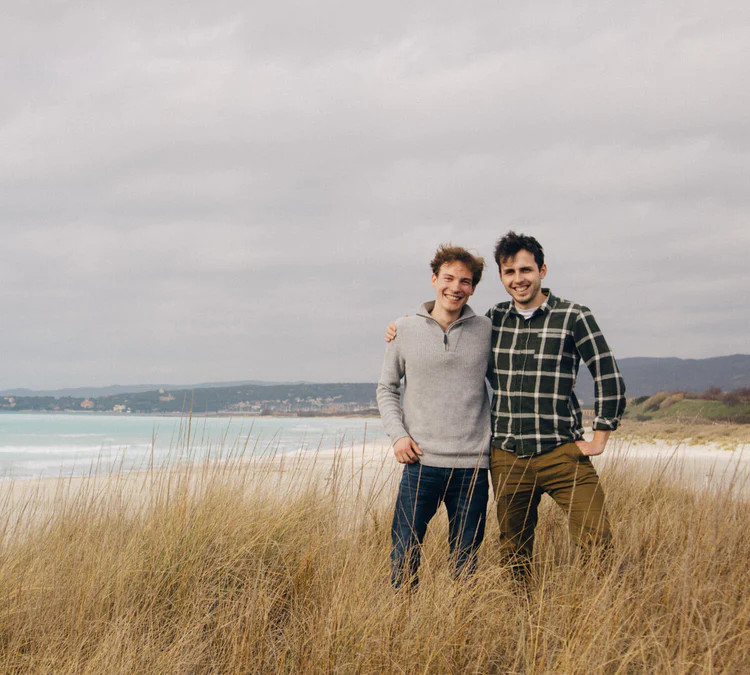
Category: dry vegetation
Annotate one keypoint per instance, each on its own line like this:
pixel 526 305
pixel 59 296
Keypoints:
pixel 686 431
pixel 713 406
pixel 256 567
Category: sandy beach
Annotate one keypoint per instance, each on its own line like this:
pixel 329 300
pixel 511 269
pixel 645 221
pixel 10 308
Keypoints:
pixel 371 468
pixel 702 466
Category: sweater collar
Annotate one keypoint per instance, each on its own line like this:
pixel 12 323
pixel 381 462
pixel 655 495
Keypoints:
pixel 466 312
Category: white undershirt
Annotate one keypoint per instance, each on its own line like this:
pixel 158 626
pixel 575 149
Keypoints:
pixel 526 313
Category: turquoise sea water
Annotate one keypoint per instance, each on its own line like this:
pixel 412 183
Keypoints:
pixel 50 445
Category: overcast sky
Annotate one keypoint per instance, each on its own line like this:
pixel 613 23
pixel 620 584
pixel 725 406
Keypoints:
pixel 225 190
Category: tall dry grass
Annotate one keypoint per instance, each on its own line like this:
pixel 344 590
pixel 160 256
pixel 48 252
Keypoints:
pixel 281 565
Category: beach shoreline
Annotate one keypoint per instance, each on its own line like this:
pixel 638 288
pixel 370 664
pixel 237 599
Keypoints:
pixel 702 466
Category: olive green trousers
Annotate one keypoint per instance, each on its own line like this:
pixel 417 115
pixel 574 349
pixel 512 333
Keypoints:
pixel 566 475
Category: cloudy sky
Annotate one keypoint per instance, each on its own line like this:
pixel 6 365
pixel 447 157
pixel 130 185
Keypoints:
pixel 226 190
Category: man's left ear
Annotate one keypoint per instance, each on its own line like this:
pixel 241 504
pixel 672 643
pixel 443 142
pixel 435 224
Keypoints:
pixel 543 271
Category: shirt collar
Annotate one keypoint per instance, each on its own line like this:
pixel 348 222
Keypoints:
pixel 549 303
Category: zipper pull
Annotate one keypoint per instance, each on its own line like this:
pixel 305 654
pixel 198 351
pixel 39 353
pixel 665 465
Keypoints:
pixel 445 341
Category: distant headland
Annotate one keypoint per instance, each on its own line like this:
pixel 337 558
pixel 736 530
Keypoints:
pixel 644 376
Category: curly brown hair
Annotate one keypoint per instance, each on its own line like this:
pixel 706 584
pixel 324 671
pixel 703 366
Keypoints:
pixel 447 253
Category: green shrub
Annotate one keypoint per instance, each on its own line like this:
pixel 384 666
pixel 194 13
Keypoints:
pixel 671 400
pixel 652 403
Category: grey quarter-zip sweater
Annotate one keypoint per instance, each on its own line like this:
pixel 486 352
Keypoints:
pixel 445 406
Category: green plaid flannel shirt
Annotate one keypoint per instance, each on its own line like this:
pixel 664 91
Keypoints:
pixel 532 371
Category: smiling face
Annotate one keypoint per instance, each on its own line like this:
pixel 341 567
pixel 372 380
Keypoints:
pixel 453 287
pixel 522 279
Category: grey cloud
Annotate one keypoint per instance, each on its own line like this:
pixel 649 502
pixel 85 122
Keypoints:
pixel 195 191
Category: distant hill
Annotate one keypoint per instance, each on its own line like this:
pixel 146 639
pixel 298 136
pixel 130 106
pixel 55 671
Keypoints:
pixel 268 398
pixel 249 399
pixel 645 375
pixel 115 389
pixel 734 408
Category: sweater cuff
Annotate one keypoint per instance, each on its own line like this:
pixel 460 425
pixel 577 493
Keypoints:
pixel 396 434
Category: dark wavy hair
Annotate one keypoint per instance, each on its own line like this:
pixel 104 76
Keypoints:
pixel 447 253
pixel 512 243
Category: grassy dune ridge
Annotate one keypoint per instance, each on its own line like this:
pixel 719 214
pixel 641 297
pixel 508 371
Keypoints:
pixel 281 565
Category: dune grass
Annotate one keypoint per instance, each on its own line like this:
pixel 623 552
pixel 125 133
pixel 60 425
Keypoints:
pixel 282 566
pixel 675 407
pixel 686 432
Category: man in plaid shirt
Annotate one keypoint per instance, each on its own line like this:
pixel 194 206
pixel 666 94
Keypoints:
pixel 537 435
pixel 538 342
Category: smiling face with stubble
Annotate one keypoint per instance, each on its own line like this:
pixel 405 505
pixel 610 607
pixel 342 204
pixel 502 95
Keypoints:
pixel 522 278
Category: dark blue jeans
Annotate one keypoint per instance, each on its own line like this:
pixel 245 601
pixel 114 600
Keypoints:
pixel 420 493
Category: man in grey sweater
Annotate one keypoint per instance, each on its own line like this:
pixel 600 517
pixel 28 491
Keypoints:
pixel 440 429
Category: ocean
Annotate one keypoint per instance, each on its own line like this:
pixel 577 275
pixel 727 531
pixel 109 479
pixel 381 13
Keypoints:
pixel 53 445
